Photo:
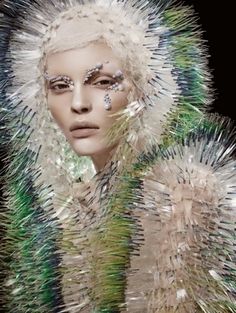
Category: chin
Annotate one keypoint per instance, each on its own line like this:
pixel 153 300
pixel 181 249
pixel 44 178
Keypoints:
pixel 87 147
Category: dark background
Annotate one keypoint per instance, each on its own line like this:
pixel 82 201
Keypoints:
pixel 218 24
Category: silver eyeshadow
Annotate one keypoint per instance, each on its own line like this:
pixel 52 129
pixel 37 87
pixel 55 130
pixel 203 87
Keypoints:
pixel 117 86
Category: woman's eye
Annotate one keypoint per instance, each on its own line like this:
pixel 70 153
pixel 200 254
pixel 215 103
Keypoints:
pixel 59 87
pixel 103 82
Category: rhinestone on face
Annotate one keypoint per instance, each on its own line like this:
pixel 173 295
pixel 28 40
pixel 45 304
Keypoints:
pixel 119 75
pixel 53 79
pixel 121 87
pixel 93 70
pixel 107 102
pixel 116 87
pixel 99 66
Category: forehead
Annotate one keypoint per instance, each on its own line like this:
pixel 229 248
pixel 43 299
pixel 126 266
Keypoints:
pixel 83 58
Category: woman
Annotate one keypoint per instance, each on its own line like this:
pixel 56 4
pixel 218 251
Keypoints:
pixel 146 221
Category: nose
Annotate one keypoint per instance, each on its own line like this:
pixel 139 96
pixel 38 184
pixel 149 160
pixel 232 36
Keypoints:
pixel 80 102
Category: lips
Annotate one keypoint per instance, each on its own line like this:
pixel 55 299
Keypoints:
pixel 83 129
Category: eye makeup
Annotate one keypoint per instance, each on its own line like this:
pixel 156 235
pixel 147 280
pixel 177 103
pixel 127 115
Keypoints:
pixel 95 76
pixel 108 81
pixel 90 72
pixel 59 83
pixel 102 80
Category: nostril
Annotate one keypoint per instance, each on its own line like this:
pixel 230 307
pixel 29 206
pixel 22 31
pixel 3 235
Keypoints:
pixel 80 109
pixel 84 110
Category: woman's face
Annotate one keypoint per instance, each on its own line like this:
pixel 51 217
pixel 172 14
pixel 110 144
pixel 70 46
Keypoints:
pixel 81 86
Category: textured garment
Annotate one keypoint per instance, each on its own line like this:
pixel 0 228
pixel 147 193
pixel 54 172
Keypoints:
pixel 155 230
pixel 181 213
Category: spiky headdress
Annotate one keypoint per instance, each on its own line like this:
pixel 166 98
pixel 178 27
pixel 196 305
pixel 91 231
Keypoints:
pixel 165 58
pixel 161 52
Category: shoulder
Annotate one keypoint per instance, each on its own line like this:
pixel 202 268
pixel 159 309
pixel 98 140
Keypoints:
pixel 191 192
pixel 202 164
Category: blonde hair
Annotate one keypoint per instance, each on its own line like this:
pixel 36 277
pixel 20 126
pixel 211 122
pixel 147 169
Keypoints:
pixel 124 30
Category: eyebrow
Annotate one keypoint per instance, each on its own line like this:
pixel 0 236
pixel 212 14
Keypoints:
pixel 56 78
pixel 96 74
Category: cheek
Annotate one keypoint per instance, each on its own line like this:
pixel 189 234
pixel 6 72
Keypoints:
pixel 119 100
pixel 58 109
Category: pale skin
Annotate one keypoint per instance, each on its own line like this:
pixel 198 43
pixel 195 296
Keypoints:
pixel 76 101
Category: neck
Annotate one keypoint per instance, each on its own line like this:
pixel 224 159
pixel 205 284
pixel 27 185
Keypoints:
pixel 100 160
pixel 99 163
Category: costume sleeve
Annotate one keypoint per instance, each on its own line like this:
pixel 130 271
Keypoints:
pixel 188 255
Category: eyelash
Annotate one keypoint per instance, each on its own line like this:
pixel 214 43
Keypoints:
pixel 65 86
pixel 109 82
pixel 59 84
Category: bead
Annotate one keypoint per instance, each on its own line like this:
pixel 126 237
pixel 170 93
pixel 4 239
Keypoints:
pixel 99 66
pixel 107 102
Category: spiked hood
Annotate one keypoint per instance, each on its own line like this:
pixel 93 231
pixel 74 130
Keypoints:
pixel 164 57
